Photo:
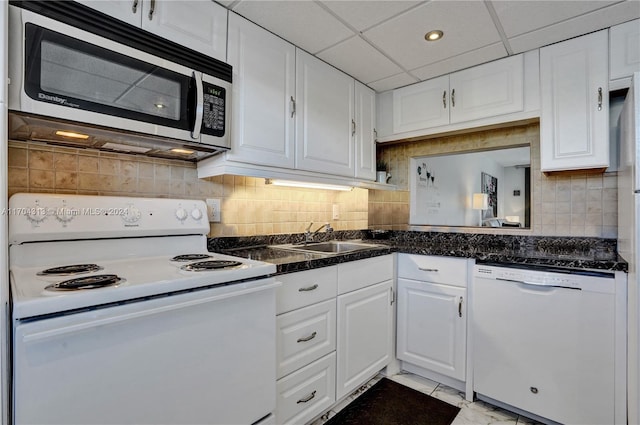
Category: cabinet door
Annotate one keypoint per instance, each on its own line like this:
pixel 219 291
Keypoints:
pixel 198 25
pixel 574 116
pixel 263 89
pixel 128 11
pixel 421 105
pixel 365 335
pixel 624 50
pixel 324 117
pixel 487 90
pixel 432 327
pixel 365 118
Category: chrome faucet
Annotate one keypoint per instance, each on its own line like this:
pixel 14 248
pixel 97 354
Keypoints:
pixel 308 234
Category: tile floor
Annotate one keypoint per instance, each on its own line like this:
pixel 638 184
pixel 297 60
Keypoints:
pixel 471 413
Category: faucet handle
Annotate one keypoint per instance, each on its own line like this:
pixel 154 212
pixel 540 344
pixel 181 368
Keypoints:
pixel 308 229
pixel 328 228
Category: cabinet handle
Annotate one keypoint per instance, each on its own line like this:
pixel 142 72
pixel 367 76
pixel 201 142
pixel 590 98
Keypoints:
pixel 308 338
pixel 375 133
pixel 428 270
pixel 293 107
pixel 353 128
pixel 599 98
pixel 453 98
pixel 444 99
pixel 134 6
pixel 152 9
pixel 393 296
pixel 307 398
pixel 460 307
pixel 309 288
pixel 533 390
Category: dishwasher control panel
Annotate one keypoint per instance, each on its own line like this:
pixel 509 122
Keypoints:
pixel 592 281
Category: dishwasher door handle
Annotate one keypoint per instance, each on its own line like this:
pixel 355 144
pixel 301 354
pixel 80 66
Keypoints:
pixel 537 284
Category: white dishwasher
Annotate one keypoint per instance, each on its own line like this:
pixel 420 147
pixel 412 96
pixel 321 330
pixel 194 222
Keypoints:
pixel 544 342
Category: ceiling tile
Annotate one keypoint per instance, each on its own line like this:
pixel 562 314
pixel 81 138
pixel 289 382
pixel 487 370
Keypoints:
pixel 467 25
pixel 456 63
pixel 303 23
pixel 519 17
pixel 363 14
pixel 359 59
pixel 393 82
pixel 600 19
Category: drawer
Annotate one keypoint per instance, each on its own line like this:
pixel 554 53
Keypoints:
pixel 307 392
pixel 428 268
pixel 359 274
pixel 305 335
pixel 305 288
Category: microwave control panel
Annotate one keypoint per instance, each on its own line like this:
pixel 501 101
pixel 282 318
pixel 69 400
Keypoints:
pixel 213 116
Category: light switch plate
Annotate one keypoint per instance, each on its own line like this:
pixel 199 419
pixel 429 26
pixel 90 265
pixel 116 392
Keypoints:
pixel 336 212
pixel 213 210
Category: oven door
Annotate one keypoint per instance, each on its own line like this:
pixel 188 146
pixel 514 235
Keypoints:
pixel 200 357
pixel 64 72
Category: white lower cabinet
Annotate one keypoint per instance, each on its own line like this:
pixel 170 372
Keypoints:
pixel 305 335
pixel 307 392
pixel 334 333
pixel 432 315
pixel 432 327
pixel 364 335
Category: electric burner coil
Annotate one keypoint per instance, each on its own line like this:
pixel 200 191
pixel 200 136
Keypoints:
pixel 87 282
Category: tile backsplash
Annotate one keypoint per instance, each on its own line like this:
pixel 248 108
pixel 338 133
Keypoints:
pixel 575 204
pixel 249 206
pixel 578 204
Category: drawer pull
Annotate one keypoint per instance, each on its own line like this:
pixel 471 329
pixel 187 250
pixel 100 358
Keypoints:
pixel 428 270
pixel 308 338
pixel 460 307
pixel 534 390
pixel 307 398
pixel 309 288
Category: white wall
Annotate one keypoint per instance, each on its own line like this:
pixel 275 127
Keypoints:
pixel 4 275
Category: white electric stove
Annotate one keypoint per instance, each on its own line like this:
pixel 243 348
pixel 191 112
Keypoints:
pixel 116 293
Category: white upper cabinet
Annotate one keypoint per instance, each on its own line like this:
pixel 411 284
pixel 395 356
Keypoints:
pixel 325 125
pixel 421 105
pixel 624 53
pixel 495 88
pixel 490 90
pixel 199 25
pixel 574 121
pixel 365 121
pixel 263 92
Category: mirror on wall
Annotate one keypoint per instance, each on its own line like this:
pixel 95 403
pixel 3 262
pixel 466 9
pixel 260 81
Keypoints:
pixel 489 189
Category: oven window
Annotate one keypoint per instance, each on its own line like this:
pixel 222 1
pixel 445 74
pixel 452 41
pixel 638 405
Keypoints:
pixel 73 73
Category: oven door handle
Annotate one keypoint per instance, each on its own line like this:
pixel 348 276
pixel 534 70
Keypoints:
pixel 199 106
pixel 89 324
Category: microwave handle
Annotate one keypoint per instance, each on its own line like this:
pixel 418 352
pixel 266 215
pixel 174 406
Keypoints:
pixel 199 106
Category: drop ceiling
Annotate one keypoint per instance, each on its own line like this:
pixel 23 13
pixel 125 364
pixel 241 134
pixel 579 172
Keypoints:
pixel 381 42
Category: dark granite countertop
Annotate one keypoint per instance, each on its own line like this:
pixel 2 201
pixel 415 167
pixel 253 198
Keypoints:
pixel 569 253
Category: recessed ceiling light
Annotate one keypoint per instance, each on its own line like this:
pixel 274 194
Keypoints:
pixel 160 105
pixel 433 35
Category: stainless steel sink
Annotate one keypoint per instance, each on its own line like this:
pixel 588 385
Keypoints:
pixel 331 247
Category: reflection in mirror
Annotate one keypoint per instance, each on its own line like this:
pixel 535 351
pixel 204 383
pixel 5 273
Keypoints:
pixel 490 188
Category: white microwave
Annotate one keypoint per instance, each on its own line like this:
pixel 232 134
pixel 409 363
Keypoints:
pixel 125 82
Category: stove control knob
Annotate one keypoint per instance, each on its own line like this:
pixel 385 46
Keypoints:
pixel 36 214
pixel 65 215
pixel 196 214
pixel 181 214
pixel 131 214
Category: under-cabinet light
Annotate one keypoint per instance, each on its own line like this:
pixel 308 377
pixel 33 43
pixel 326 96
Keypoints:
pixel 183 151
pixel 72 134
pixel 306 185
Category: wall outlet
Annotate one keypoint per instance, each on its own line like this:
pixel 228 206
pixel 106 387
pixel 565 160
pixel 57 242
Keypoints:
pixel 213 210
pixel 336 212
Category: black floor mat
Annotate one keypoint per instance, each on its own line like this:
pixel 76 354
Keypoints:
pixel 390 403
